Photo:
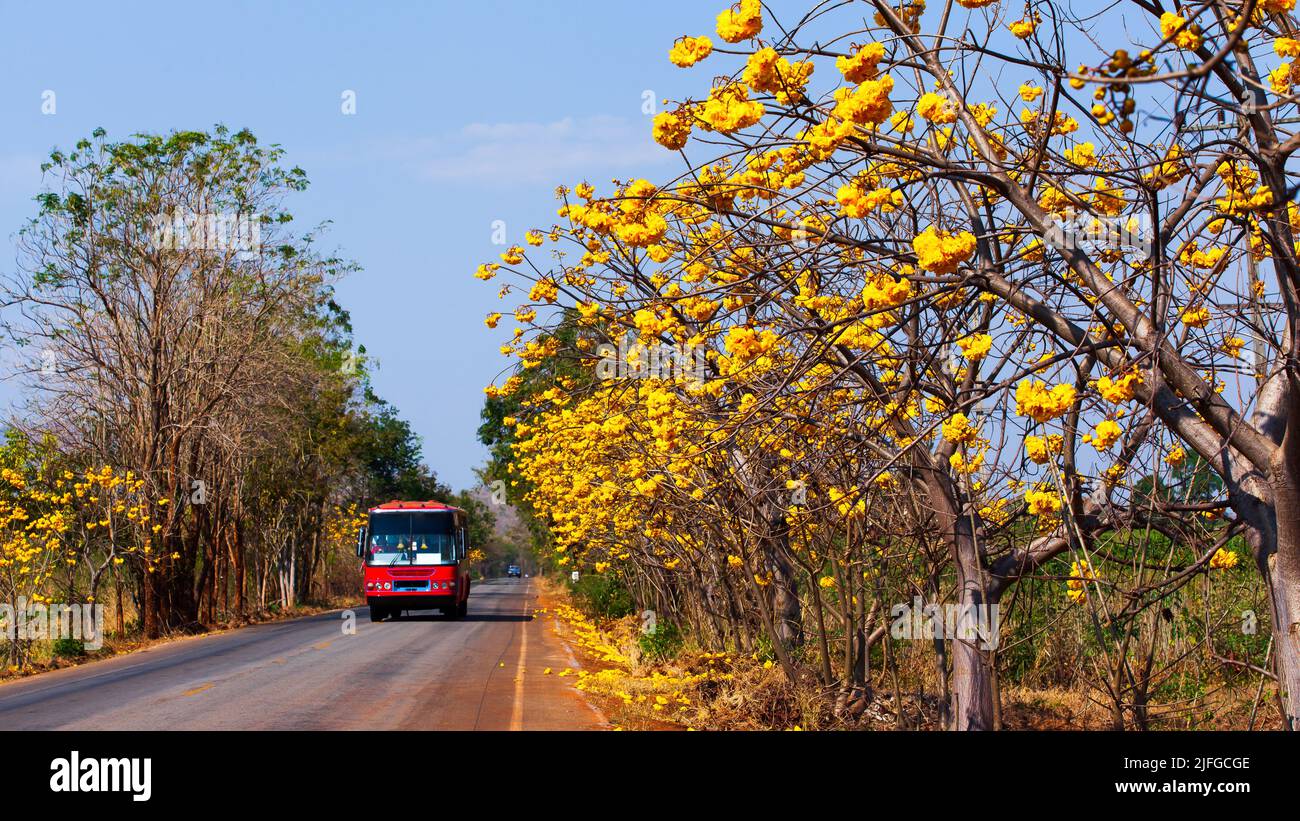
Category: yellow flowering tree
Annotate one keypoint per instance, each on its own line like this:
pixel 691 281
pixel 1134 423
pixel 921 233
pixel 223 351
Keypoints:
pixel 949 286
pixel 32 522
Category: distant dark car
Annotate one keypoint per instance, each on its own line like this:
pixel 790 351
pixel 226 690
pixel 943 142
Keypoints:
pixel 513 571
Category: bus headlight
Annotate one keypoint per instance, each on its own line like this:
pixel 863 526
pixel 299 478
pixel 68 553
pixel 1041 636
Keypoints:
pixel 388 585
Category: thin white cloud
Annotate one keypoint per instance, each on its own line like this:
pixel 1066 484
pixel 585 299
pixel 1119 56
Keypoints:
pixel 534 152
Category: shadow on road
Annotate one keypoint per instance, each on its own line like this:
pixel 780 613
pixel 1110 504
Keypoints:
pixel 516 617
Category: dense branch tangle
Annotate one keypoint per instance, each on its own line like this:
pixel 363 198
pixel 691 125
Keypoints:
pixel 1000 292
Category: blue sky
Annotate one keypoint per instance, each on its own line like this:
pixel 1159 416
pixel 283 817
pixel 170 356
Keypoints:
pixel 466 113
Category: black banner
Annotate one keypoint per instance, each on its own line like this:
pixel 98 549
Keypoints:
pixel 145 772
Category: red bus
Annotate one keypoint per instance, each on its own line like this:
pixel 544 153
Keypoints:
pixel 414 554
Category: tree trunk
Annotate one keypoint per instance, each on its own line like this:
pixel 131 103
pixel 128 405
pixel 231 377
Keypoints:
pixel 973 705
pixel 149 615
pixel 239 567
pixel 787 613
pixel 121 616
pixel 972 669
pixel 1284 597
pixel 1280 567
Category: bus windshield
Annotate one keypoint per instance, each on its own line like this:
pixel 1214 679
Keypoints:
pixel 412 538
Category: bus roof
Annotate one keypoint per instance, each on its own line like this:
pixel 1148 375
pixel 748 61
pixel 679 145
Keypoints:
pixel 396 506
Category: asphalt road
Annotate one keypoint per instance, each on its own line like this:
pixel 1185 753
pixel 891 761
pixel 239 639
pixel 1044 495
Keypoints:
pixel 483 672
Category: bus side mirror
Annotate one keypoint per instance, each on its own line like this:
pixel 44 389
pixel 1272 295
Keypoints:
pixel 361 542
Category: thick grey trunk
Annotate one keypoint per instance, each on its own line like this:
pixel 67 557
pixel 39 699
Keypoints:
pixel 1275 541
pixel 973 699
pixel 787 612
pixel 972 693
pixel 1272 512
pixel 1284 587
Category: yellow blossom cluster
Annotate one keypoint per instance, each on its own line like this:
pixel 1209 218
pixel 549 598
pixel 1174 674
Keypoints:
pixel 1119 389
pixel 940 252
pixel 1176 28
pixel 768 72
pixel 862 63
pixel 936 108
pixel 1076 587
pixel 729 109
pixel 1040 449
pixel 1035 400
pixel 959 428
pixel 688 51
pixel 742 21
pixel 1106 434
pixel 976 346
pixel 1223 559
pixel 1043 502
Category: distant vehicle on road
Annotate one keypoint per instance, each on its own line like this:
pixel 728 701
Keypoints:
pixel 513 572
pixel 413 554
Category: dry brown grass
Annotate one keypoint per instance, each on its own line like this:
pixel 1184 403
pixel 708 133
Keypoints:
pixel 741 693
